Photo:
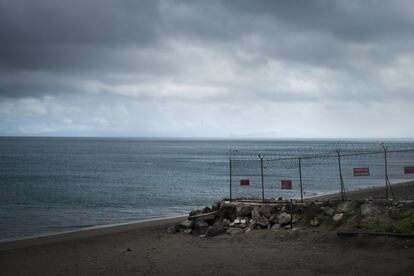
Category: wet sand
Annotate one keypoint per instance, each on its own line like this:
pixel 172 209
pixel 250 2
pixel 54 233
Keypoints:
pixel 147 249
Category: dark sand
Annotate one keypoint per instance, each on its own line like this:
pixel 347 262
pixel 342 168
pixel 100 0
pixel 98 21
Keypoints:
pixel 146 249
pixel 403 190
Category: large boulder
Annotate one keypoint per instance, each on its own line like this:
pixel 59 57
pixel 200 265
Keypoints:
pixel 329 211
pixel 206 210
pixel 266 211
pixel 186 224
pixel 283 218
pixel 194 212
pixel 347 206
pixel 226 222
pixel 216 229
pixel 244 211
pixel 338 217
pixel 200 227
pixel 273 219
pixel 262 222
pixel 199 223
pixel 275 227
pixel 228 211
pixel 216 206
pixel 255 212
pixel 311 211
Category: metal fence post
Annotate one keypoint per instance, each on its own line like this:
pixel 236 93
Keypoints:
pixel 261 168
pixel 230 167
pixel 300 179
pixel 340 176
pixel 387 180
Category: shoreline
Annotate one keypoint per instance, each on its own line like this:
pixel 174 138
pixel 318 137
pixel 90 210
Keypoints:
pixel 86 232
pixel 401 190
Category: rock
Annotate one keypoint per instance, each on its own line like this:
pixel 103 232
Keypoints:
pixel 186 224
pixel 244 211
pixel 216 229
pixel 199 223
pixel 370 210
pixel 209 217
pixel 338 217
pixel 275 227
pixel 280 198
pixel 237 220
pixel 310 211
pixel 252 223
pixel 266 211
pixel 226 222
pixel 188 231
pixel 328 211
pixel 283 218
pixel 255 213
pixel 347 206
pixel 273 219
pixel 234 231
pixel 228 211
pixel 200 227
pixel 172 229
pixel 314 222
pixel 194 212
pixel 216 206
pixel 206 210
pixel 262 222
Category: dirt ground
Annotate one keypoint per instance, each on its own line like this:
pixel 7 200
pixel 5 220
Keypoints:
pixel 151 251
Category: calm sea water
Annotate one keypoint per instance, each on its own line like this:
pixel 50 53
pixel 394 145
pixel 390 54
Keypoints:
pixel 58 184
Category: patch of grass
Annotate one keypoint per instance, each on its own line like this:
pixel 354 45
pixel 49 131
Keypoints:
pixel 405 213
pixel 405 222
pixel 376 227
pixel 325 220
pixel 405 225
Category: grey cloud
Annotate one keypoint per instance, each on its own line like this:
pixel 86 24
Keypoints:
pixel 78 44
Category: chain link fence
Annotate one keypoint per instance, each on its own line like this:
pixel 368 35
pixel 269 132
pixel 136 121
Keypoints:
pixel 263 177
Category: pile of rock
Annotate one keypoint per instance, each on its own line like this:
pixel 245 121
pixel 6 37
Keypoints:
pixel 236 218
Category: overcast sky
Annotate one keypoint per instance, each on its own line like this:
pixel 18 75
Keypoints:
pixel 269 69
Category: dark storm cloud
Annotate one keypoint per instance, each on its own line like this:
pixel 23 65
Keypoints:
pixel 95 40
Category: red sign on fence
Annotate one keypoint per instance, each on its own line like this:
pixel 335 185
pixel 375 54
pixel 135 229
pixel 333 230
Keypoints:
pixel 286 184
pixel 244 182
pixel 408 170
pixel 361 171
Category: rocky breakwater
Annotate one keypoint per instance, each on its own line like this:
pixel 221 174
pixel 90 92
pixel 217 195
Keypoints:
pixel 237 218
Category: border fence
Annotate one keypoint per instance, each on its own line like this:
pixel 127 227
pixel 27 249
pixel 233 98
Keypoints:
pixel 266 177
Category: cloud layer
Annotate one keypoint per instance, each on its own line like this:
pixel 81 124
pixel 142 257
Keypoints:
pixel 207 68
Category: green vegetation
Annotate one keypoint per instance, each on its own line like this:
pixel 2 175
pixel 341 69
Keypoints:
pixel 376 227
pixel 405 223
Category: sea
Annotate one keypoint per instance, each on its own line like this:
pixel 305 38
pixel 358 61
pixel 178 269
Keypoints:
pixel 51 185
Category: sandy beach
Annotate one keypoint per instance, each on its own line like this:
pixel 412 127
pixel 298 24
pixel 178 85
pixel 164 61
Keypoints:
pixel 147 249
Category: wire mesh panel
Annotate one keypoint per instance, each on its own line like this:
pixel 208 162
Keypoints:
pixel 246 179
pixel 320 175
pixel 400 165
pixel 282 178
pixel 363 170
